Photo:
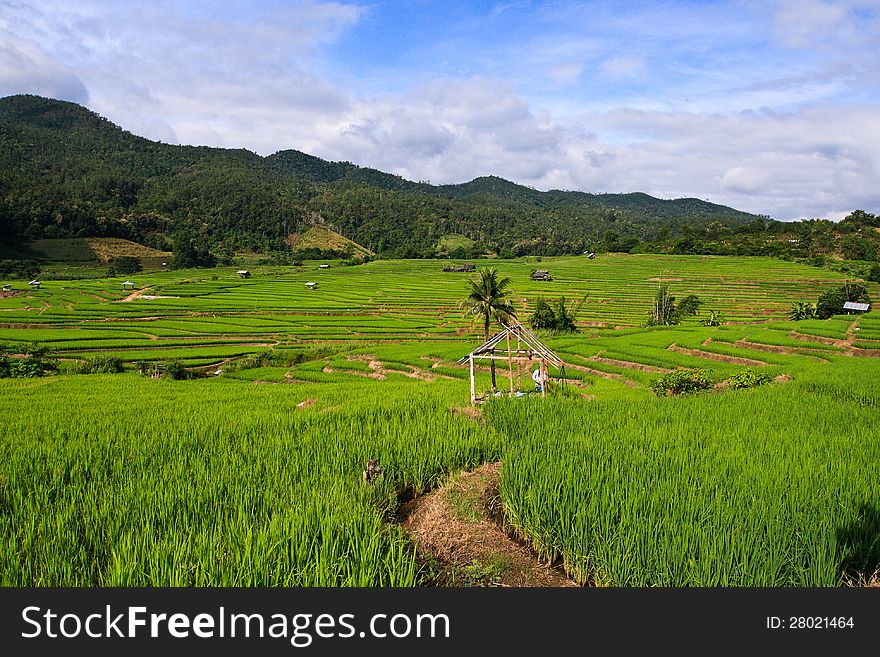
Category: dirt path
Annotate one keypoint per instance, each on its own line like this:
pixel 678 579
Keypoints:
pixel 134 295
pixel 630 365
pixel 456 530
pixel 851 331
pixel 709 355
pixel 604 375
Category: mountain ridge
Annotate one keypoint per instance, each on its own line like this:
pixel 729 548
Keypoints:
pixel 65 171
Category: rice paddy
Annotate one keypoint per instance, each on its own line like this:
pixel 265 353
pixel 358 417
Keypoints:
pixel 251 475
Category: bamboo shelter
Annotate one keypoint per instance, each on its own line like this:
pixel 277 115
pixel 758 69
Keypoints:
pixel 517 345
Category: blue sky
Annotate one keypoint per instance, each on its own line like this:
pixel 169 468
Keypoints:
pixel 767 106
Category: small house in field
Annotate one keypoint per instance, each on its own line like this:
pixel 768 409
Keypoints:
pixel 7 288
pixel 311 285
pixel 323 266
pixel 127 285
pixel 517 348
pixel 856 307
pixel 244 273
pixel 590 255
pixel 35 285
pixel 542 275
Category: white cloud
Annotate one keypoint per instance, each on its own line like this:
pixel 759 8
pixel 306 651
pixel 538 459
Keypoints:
pixel 251 75
pixel 26 68
pixel 623 66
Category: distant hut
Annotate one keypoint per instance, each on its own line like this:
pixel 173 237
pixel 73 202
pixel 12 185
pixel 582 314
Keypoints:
pixel 35 285
pixel 462 268
pixel 590 255
pixel 323 266
pixel 856 307
pixel 7 288
pixel 541 275
pixel 244 273
pixel 527 349
pixel 311 285
pixel 127 285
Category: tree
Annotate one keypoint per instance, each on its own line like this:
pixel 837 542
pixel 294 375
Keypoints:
pixel 543 318
pixel 489 299
pixel 831 303
pixel 123 266
pixel 566 316
pixel 665 312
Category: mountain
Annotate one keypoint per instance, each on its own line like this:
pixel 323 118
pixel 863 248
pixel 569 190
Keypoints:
pixel 68 172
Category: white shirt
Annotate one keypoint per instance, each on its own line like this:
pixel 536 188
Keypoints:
pixel 536 376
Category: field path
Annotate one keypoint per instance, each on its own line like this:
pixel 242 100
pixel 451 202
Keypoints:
pixel 710 355
pixel 134 295
pixel 459 527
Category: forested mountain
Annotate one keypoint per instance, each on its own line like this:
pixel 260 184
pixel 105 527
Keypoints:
pixel 67 172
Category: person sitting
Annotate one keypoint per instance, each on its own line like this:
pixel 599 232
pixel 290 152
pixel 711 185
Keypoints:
pixel 538 378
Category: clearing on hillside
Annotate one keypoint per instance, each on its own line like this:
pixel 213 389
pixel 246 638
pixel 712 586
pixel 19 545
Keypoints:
pixel 321 237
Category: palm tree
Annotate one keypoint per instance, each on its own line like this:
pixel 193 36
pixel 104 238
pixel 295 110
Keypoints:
pixel 489 300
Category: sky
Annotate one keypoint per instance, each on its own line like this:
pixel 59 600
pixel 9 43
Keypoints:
pixel 768 106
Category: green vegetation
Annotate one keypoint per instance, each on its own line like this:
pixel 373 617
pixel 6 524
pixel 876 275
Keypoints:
pixel 680 382
pixel 240 464
pixel 560 317
pixel 665 312
pixel 748 378
pixel 831 302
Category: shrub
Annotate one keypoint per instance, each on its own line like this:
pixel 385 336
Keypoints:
pixel 665 312
pixel 681 381
pixel 543 317
pixel 37 362
pixel 163 369
pixel 715 318
pixel 559 317
pixel 748 378
pixel 801 310
pixel 101 364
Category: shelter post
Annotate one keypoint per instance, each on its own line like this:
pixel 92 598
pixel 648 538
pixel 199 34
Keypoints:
pixel 473 383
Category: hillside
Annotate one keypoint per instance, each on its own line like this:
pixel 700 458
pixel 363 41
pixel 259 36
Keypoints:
pixel 323 240
pixel 67 172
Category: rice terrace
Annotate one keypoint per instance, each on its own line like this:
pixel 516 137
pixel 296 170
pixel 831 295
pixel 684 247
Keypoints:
pixel 207 428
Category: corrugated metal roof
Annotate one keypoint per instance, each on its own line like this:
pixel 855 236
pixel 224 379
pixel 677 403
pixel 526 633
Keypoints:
pixel 854 305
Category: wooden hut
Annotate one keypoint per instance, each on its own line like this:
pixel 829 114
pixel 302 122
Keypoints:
pixel 311 285
pixel 541 275
pixel 515 344
pixel 323 266
pixel 35 285
pixel 244 273
pixel 127 285
pixel 854 306
pixel 7 287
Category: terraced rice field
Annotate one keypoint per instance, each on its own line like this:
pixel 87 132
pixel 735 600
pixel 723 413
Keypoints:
pixel 253 476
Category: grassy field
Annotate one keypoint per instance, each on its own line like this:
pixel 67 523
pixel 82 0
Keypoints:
pixel 252 477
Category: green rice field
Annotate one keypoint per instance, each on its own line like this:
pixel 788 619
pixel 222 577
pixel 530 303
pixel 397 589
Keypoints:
pixel 249 472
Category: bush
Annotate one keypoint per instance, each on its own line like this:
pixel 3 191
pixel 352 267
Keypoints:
pixel 560 317
pixel 801 310
pixel 101 364
pixel 681 381
pixel 748 378
pixel 37 362
pixel 163 369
